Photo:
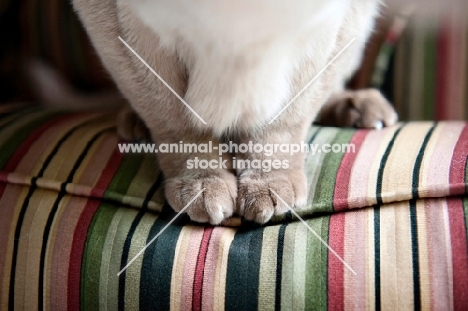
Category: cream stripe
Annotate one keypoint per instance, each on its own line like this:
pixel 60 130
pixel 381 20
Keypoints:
pixel 221 268
pixel 62 163
pixel 300 263
pixel 369 254
pixel 423 245
pixel 29 250
pixel 267 277
pixel 398 174
pixel 32 161
pixel 287 275
pixel 448 253
pixel 395 257
pixel 381 139
pixel 12 198
pixel 177 277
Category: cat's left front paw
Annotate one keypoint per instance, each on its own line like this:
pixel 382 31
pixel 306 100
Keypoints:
pixel 257 202
pixel 366 108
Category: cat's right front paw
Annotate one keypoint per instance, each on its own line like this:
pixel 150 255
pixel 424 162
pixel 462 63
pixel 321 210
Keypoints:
pixel 216 202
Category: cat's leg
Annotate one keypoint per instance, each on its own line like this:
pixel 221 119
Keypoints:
pixel 366 108
pixel 167 119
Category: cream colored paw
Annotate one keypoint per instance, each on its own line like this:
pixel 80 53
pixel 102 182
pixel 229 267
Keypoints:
pixel 258 203
pixel 366 108
pixel 214 205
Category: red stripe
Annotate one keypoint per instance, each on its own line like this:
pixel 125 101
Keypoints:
pixel 199 270
pixel 340 197
pixel 335 266
pixel 107 174
pixel 76 254
pixel 459 253
pixel 79 237
pixel 442 73
pixel 457 167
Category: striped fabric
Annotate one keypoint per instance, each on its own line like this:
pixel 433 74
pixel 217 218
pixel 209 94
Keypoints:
pixel 430 71
pixel 74 212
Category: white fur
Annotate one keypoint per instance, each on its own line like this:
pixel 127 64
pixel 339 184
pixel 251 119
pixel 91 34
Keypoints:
pixel 241 55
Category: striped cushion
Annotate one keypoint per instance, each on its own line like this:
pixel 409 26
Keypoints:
pixel 74 211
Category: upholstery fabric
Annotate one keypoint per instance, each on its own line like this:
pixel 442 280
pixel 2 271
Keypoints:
pixel 74 211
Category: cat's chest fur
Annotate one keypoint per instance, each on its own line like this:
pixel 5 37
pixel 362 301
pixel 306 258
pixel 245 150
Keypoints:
pixel 242 56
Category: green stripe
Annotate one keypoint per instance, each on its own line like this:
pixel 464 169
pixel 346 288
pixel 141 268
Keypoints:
pixel 92 257
pixel 317 265
pixel 243 268
pixel 12 137
pixel 465 209
pixel 124 176
pixel 111 254
pixel 323 199
pixel 430 76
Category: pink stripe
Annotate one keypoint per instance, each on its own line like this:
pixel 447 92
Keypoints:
pixel 340 197
pixel 357 256
pixel 189 268
pixel 335 266
pixel 459 253
pixel 359 180
pixel 62 251
pixel 459 158
pixel 209 282
pixel 199 271
pixel 438 243
pixel 437 170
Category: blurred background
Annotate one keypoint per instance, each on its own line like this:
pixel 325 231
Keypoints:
pixel 418 57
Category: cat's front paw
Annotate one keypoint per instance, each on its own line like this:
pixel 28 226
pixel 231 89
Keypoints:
pixel 256 200
pixel 216 202
pixel 366 108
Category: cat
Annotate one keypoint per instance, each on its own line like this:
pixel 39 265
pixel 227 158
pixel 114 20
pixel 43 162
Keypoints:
pixel 238 65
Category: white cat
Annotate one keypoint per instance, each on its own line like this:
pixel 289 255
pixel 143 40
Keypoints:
pixel 239 65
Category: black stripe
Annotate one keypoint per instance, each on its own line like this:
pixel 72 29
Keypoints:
pixel 415 256
pixel 279 266
pixel 413 220
pixel 377 256
pixel 315 135
pixel 53 212
pixel 418 163
pixel 158 259
pixel 242 275
pixel 377 218
pixel 23 209
pixel 382 166
pixel 128 239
